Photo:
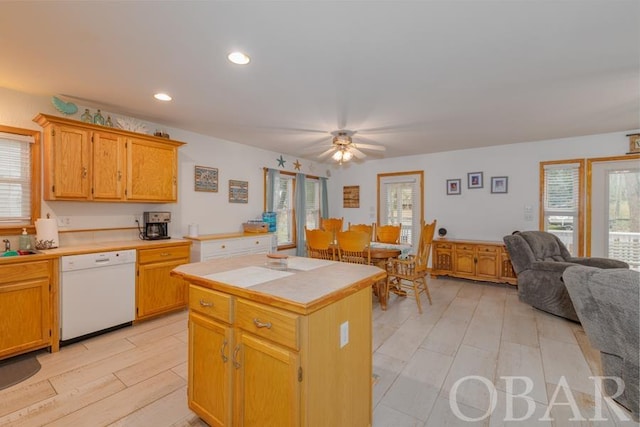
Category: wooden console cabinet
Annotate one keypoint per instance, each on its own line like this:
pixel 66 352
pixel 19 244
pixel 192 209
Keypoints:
pixel 86 162
pixel 475 260
pixel 288 351
pixel 157 292
pixel 28 306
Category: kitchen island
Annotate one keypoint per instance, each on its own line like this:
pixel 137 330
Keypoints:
pixel 275 345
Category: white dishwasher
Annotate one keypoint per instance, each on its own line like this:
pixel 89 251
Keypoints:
pixel 97 293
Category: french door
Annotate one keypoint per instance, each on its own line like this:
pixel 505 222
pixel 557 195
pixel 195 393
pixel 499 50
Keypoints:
pixel 613 213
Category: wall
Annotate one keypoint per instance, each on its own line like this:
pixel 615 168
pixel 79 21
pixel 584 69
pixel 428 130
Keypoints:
pixel 211 211
pixel 476 213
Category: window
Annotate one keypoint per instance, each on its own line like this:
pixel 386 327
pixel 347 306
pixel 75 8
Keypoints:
pixel 19 178
pixel 284 208
pixel 561 203
pixel 284 205
pixel 400 202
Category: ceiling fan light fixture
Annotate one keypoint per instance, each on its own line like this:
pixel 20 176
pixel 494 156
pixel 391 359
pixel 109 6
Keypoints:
pixel 346 156
pixel 337 156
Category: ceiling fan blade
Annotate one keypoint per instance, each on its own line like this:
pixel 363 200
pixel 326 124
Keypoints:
pixel 293 130
pixel 357 153
pixel 326 153
pixel 316 145
pixel 371 147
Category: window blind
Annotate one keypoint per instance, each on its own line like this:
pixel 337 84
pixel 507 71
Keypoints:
pixel 15 178
pixel 561 189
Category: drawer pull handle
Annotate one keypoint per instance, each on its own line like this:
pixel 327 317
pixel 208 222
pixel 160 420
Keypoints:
pixel 224 356
pixel 206 303
pixel 236 363
pixel 259 324
pixel 165 254
pixel 223 246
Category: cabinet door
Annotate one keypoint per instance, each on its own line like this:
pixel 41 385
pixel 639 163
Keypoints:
pixel 108 166
pixel 151 171
pixel 465 262
pixel 25 316
pixel 487 266
pixel 71 162
pixel 266 386
pixel 158 291
pixel 210 348
pixel 442 258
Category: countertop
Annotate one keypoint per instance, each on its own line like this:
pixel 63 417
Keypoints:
pixel 306 285
pixel 92 248
pixel 205 237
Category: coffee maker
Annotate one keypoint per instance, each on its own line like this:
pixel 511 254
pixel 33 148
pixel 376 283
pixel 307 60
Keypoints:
pixel 156 225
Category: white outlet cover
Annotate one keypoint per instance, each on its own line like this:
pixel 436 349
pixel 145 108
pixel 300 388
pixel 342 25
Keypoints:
pixel 344 334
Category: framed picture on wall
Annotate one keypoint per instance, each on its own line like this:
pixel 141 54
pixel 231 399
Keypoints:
pixel 454 186
pixel 238 191
pixel 499 184
pixel 474 180
pixel 206 179
pixel 351 196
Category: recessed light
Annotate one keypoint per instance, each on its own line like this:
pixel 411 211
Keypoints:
pixel 162 97
pixel 239 58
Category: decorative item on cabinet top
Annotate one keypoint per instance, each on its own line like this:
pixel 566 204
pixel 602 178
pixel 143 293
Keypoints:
pixel 46 119
pixel 67 108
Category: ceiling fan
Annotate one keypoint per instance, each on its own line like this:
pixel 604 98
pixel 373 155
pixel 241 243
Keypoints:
pixel 344 149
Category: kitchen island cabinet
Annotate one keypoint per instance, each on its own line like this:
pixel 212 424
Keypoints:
pixel 280 346
pixel 225 245
pixel 28 305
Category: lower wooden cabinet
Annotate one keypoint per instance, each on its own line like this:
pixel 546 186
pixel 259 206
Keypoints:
pixel 158 292
pixel 251 364
pixel 27 310
pixel 475 260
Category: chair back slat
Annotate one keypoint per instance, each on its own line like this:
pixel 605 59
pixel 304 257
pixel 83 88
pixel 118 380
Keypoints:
pixel 388 233
pixel 319 244
pixel 332 224
pixel 353 247
pixel 367 228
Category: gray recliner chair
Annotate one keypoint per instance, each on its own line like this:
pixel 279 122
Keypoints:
pixel 608 306
pixel 539 259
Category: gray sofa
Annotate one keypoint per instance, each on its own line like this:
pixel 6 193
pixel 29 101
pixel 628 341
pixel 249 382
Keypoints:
pixel 608 306
pixel 539 259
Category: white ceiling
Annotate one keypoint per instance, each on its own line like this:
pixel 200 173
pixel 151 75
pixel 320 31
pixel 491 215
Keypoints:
pixel 415 76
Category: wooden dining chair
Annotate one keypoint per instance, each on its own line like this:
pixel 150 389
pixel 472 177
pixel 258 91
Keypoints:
pixel 319 244
pixel 353 247
pixel 411 273
pixel 388 233
pixel 332 224
pixel 367 228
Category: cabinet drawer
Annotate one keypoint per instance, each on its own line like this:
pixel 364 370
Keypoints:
pixel 273 324
pixel 163 254
pixel 210 303
pixel 440 245
pixel 463 247
pixel 482 248
pixel 24 271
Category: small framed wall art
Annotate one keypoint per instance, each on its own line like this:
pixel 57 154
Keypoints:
pixel 351 196
pixel 474 180
pixel 499 184
pixel 453 186
pixel 238 191
pixel 634 143
pixel 206 179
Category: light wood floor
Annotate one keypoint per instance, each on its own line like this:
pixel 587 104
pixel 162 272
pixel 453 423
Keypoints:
pixel 137 376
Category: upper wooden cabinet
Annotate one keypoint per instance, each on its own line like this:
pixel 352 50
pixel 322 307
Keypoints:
pixel 88 162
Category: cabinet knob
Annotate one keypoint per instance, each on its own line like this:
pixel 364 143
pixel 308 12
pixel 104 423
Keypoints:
pixel 206 303
pixel 165 254
pixel 223 246
pixel 260 324
pixel 84 171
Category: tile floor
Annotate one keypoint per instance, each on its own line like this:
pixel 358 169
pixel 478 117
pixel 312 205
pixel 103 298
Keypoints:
pixel 137 376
